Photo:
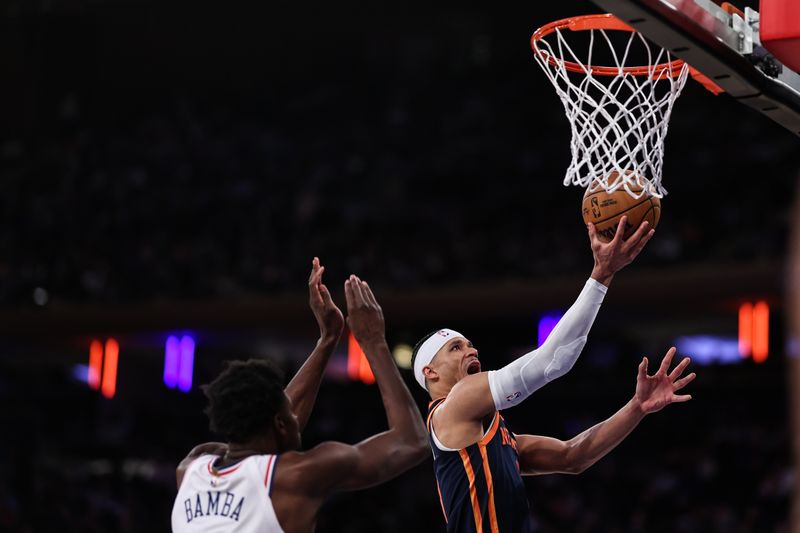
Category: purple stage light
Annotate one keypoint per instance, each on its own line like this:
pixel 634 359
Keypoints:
pixel 187 364
pixel 547 324
pixel 171 362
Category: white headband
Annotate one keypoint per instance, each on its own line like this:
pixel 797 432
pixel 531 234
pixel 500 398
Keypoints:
pixel 428 350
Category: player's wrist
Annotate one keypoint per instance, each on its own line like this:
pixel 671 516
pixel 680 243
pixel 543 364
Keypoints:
pixel 328 339
pixel 636 406
pixel 602 275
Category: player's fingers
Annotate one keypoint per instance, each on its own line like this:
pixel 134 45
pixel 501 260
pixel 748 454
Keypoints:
pixel 681 398
pixel 325 294
pixel 370 297
pixel 681 383
pixel 358 294
pixel 639 246
pixel 620 231
pixel 348 293
pixel 640 232
pixel 667 361
pixel 314 277
pixel 678 370
pixel 643 368
pixel 646 363
pixel 592 232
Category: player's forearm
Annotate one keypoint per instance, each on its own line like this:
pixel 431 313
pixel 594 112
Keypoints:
pixel 401 411
pixel 521 378
pixel 303 389
pixel 594 443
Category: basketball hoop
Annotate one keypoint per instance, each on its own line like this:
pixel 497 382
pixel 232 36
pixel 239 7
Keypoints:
pixel 618 114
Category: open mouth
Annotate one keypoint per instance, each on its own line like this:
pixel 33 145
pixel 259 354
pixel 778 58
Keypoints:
pixel 473 367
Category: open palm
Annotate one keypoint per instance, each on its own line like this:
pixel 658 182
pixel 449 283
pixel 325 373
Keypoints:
pixel 657 391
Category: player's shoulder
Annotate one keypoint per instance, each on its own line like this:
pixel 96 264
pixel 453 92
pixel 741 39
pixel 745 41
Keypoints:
pixel 462 392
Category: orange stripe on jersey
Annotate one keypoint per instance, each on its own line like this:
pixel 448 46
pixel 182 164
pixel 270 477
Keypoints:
pixel 473 493
pixel 430 415
pixel 492 430
pixel 487 472
pixel 441 500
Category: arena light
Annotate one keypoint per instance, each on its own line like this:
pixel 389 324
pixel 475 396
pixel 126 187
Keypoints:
pixel 402 355
pixel 179 362
pixel 754 331
pixel 171 361
pixel 109 385
pixel 187 364
pixel 709 349
pixel 760 332
pixel 547 323
pixel 95 364
pixel 745 329
pixel 358 368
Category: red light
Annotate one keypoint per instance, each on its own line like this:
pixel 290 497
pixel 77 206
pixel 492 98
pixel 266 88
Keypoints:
pixel 109 386
pixel 760 332
pixel 745 329
pixel 358 368
pixel 95 364
pixel 754 331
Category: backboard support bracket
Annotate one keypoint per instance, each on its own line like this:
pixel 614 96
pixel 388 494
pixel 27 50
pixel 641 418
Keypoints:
pixel 722 46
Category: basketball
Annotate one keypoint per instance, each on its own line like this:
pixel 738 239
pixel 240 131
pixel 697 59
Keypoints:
pixel 604 209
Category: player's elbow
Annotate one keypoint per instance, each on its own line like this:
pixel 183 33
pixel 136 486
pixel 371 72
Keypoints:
pixel 574 461
pixel 575 468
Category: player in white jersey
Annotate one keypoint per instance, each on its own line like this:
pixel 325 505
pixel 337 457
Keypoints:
pixel 258 480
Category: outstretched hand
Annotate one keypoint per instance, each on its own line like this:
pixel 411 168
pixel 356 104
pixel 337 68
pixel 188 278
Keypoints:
pixel 329 317
pixel 611 257
pixel 364 314
pixel 657 391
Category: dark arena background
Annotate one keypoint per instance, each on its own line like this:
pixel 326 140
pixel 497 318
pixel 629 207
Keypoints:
pixel 169 169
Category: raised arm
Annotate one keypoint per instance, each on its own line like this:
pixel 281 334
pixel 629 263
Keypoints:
pixel 478 395
pixel 338 467
pixel 544 455
pixel 303 389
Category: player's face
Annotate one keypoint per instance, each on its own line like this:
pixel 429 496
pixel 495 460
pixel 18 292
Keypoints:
pixel 288 428
pixel 456 360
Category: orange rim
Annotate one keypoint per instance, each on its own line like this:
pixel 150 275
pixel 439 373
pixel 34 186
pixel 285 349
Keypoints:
pixel 605 21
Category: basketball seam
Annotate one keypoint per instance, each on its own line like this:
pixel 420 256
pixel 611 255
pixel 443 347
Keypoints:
pixel 596 222
pixel 595 193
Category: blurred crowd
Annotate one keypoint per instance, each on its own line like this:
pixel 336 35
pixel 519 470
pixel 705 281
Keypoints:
pixel 411 168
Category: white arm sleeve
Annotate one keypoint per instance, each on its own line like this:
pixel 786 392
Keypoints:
pixel 519 379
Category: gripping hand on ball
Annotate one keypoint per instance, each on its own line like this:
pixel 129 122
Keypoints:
pixel 611 257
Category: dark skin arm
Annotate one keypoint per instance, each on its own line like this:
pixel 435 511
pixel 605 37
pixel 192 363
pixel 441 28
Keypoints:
pixel 303 389
pixel 334 467
pixel 545 455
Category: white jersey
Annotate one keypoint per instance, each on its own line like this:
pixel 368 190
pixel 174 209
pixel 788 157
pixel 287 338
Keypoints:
pixel 231 499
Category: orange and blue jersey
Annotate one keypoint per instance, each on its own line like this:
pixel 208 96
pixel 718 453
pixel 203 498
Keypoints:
pixel 480 486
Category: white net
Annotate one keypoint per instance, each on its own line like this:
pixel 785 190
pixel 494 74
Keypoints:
pixel 619 120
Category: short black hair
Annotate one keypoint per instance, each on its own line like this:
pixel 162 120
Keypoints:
pixel 244 398
pixel 415 351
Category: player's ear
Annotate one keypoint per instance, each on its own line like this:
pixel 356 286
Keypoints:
pixel 279 424
pixel 430 374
